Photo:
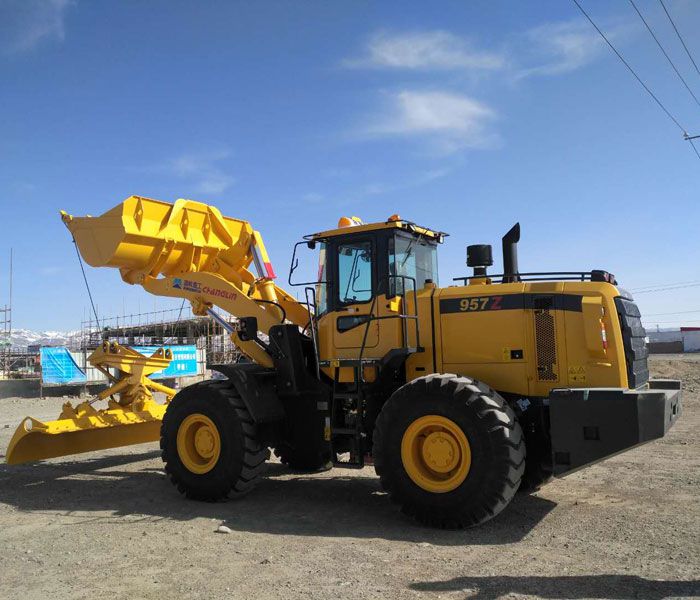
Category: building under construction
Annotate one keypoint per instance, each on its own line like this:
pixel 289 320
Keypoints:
pixel 172 327
pixel 161 327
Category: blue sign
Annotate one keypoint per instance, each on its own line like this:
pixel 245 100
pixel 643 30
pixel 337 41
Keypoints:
pixel 184 361
pixel 58 366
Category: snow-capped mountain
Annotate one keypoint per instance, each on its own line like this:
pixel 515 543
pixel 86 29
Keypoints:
pixel 21 338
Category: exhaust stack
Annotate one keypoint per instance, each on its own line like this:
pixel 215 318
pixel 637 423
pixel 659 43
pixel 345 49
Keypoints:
pixel 510 254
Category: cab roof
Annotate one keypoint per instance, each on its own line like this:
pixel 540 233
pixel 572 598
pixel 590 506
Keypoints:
pixel 356 226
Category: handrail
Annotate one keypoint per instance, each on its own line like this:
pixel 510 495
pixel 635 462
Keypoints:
pixel 541 276
pixel 312 321
pixel 403 316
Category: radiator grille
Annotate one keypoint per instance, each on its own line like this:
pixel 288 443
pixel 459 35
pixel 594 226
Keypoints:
pixel 633 337
pixel 545 343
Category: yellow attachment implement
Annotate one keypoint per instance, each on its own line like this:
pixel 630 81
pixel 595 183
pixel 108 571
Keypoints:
pixel 133 418
pixel 188 249
pixel 143 238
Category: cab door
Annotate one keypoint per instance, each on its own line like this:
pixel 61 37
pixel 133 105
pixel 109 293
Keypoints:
pixel 343 329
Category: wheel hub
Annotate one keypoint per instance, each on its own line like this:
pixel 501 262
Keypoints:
pixel 204 442
pixel 435 453
pixel 441 451
pixel 198 443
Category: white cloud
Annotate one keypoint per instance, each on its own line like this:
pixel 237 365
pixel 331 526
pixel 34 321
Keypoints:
pixel 51 270
pixel 428 50
pixel 378 189
pixel 24 24
pixel 432 175
pixel 561 48
pixel 312 198
pixel 449 121
pixel 374 189
pixel 203 172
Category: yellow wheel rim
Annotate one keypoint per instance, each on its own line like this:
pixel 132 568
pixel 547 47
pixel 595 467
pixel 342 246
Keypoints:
pixel 198 443
pixel 436 454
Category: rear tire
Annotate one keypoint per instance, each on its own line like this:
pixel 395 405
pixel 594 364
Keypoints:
pixel 495 451
pixel 232 455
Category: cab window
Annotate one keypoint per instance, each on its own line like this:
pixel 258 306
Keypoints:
pixel 355 272
pixel 321 300
pixel 414 258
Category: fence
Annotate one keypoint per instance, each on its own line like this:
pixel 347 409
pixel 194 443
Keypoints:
pixel 60 366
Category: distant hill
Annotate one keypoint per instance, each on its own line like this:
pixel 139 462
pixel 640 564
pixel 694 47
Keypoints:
pixel 21 338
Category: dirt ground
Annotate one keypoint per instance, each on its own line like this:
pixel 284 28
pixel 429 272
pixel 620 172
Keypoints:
pixel 109 525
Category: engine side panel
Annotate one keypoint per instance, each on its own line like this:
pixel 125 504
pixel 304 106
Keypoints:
pixel 528 338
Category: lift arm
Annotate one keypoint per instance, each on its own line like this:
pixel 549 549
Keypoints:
pixel 189 250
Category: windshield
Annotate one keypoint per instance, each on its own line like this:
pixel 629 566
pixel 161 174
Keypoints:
pixel 412 257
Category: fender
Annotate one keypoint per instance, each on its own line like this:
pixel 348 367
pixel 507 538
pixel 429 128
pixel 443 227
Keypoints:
pixel 257 387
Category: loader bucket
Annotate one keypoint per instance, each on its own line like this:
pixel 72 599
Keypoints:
pixel 141 236
pixel 134 419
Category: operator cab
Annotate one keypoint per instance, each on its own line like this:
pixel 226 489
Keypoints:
pixel 359 261
pixel 365 296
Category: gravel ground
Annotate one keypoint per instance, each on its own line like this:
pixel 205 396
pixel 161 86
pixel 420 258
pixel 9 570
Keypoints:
pixel 109 525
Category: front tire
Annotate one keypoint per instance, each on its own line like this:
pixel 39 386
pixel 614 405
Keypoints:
pixel 209 442
pixel 449 450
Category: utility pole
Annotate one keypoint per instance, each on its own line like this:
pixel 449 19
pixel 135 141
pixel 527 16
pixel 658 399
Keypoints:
pixel 6 323
pixel 10 293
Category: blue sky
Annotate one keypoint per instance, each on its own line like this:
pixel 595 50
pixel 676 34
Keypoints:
pixel 464 116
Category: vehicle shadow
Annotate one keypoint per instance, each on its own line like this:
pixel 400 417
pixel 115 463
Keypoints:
pixel 617 587
pixel 335 503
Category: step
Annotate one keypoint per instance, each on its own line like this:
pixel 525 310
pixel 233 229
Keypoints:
pixel 350 362
pixel 345 431
pixel 347 395
pixel 348 465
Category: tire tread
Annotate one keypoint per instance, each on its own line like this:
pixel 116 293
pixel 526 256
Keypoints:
pixel 253 453
pixel 501 426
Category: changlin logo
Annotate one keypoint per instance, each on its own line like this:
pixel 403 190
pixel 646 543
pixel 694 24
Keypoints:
pixel 195 286
pixel 184 284
pixel 219 293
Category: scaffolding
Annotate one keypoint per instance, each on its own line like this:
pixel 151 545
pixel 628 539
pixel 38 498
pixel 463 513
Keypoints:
pixel 19 364
pixel 6 354
pixel 156 328
pixel 5 340
pixel 176 326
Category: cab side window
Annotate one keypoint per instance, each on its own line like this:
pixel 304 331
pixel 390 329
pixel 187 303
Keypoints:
pixel 412 262
pixel 355 272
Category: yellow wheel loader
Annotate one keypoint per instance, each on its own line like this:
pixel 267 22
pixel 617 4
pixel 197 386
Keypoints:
pixel 459 395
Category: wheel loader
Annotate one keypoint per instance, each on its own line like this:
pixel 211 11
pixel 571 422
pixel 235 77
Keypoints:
pixel 458 395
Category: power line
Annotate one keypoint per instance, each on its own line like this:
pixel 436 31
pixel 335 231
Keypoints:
pixel 638 78
pixel 646 287
pixel 631 70
pixel 692 143
pixel 680 37
pixel 668 58
pixel 680 312
pixel 664 289
pixel 674 321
